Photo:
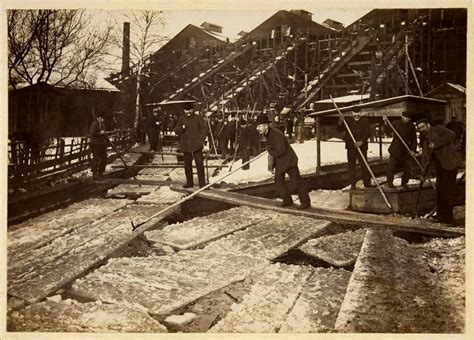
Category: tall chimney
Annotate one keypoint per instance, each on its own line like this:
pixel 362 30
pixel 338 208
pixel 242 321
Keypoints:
pixel 126 49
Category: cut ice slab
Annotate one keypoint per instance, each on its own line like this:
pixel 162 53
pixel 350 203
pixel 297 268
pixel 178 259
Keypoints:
pixel 394 289
pixel 161 195
pixel 130 188
pixel 44 229
pixel 72 316
pixel 271 238
pixel 164 284
pixel 317 307
pixel 340 250
pixel 48 268
pixel 265 308
pixel 198 231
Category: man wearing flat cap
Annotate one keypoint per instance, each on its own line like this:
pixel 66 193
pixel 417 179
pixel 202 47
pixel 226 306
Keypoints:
pixel 192 131
pixel 285 161
pixel 439 142
pixel 399 155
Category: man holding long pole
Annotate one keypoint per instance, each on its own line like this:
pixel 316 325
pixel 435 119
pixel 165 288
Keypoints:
pixel 363 157
pixel 360 128
pixel 439 143
pixel 405 134
pixel 285 161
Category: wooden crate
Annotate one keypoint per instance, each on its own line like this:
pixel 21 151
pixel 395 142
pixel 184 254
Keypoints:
pixel 402 200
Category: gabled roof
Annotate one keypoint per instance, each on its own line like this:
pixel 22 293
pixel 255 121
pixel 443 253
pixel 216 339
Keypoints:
pixel 186 28
pixel 453 86
pixel 292 18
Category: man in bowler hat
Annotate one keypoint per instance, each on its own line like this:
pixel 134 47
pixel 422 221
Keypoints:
pixel 285 161
pixel 192 131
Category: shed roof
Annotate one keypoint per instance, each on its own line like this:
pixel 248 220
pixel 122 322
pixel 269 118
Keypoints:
pixel 380 104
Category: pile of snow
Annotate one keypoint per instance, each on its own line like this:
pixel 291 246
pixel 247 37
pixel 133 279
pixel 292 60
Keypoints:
pixel 331 153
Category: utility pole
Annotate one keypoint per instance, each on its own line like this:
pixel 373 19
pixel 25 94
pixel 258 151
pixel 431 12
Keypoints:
pixel 406 63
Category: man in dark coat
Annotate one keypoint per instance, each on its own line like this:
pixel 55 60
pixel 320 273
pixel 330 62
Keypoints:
pixel 244 142
pixel 439 142
pixel 97 142
pixel 153 125
pixel 255 143
pixel 192 131
pixel 399 155
pixel 360 128
pixel 232 127
pixel 285 161
pixel 222 136
pixel 458 128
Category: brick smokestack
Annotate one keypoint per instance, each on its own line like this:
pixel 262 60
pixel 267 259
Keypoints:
pixel 126 49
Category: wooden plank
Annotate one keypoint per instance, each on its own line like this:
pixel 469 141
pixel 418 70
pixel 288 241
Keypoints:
pixel 393 290
pixel 72 316
pixel 119 181
pixel 162 166
pixel 344 217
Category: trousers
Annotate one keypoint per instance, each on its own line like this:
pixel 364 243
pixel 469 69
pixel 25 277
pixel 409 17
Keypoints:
pixel 353 156
pixel 393 163
pixel 99 158
pixel 296 181
pixel 445 191
pixel 188 167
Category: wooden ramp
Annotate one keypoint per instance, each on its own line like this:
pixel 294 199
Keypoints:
pixel 421 226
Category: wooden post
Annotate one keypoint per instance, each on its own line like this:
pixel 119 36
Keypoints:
pixel 71 151
pixel 61 150
pixel 406 64
pixel 318 145
pixel 380 139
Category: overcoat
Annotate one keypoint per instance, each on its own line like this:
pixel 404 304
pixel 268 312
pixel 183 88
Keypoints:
pixel 284 157
pixel 192 131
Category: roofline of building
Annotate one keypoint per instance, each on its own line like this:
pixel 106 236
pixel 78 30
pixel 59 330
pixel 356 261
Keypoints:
pixel 290 13
pixel 375 104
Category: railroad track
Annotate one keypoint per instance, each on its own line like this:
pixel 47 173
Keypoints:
pixel 243 269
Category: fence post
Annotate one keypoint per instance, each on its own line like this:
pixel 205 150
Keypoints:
pixel 71 151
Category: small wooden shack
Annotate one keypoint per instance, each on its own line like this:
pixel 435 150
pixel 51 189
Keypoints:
pixel 455 96
pixel 57 111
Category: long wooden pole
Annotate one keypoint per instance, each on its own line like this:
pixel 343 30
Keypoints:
pixel 363 158
pixel 408 148
pixel 225 175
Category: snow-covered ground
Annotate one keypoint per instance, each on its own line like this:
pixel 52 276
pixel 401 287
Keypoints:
pixel 332 152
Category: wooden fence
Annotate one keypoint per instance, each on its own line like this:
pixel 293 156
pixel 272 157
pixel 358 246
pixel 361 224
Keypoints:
pixel 61 156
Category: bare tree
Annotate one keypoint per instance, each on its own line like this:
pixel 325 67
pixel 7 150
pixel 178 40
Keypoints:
pixel 58 47
pixel 146 37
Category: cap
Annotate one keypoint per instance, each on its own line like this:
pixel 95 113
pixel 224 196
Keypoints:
pixel 188 106
pixel 422 120
pixel 262 119
pixel 407 114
